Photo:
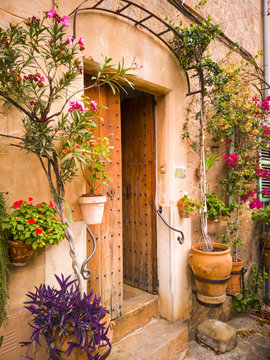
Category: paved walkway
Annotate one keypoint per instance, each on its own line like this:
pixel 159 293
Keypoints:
pixel 253 340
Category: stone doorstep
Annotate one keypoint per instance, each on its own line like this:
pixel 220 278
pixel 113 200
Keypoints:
pixel 153 342
pixel 138 310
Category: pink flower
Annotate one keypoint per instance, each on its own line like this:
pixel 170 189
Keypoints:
pixel 70 40
pixel 231 160
pixel 228 141
pixel 51 13
pixel 42 78
pixel 255 203
pixel 81 41
pixel 76 105
pixel 65 20
pixel 266 191
pixel 94 105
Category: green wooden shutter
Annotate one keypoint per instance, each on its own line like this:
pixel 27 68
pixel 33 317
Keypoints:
pixel 265 163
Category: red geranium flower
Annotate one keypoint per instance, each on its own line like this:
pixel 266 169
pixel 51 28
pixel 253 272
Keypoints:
pixel 39 230
pixel 51 204
pixel 16 204
pixel 38 205
pixel 31 221
pixel 30 199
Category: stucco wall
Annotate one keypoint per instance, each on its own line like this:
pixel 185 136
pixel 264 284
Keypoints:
pixel 158 73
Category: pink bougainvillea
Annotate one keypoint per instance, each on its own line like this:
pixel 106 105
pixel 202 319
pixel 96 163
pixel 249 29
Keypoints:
pixel 231 160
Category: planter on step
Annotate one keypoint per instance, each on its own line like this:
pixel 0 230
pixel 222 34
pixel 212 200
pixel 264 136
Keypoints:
pixel 19 252
pixel 103 350
pixel 92 207
pixel 234 283
pixel 211 271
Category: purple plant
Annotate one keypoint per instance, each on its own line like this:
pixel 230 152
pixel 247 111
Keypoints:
pixel 63 313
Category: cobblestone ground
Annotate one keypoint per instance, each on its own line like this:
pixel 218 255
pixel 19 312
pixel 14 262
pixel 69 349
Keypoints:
pixel 253 341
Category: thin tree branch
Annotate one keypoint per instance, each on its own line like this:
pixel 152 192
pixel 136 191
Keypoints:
pixel 11 137
pixel 18 106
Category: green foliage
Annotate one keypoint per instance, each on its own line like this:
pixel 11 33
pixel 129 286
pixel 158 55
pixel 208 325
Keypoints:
pixel 4 262
pixel 188 204
pixel 262 215
pixel 250 297
pixel 191 42
pixel 34 224
pixel 215 207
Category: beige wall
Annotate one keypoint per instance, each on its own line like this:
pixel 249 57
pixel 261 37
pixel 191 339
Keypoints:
pixel 159 74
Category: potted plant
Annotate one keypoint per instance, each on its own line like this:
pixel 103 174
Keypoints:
pixel 29 227
pixel 72 325
pixel 187 205
pixel 94 172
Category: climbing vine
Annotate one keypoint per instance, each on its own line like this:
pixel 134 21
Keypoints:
pixel 228 111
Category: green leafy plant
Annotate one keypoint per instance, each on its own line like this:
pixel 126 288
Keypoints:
pixel 215 207
pixel 188 205
pixel 34 224
pixel 4 273
pixel 249 296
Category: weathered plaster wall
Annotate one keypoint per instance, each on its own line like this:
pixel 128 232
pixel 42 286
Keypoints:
pixel 21 175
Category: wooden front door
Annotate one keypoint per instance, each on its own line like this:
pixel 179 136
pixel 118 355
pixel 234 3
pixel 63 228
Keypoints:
pixel 139 218
pixel 106 264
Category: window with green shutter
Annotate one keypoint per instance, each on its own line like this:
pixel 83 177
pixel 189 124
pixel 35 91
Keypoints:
pixel 265 163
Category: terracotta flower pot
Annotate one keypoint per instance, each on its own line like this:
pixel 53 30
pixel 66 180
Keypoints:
pixel 212 272
pixel 103 349
pixel 234 283
pixel 92 207
pixel 266 253
pixel 180 209
pixel 19 252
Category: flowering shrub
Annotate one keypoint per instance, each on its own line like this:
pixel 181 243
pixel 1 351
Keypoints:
pixel 66 313
pixel 34 224
pixel 39 62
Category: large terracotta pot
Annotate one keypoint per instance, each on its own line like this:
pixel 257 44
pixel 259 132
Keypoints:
pixel 212 272
pixel 266 252
pixel 92 207
pixel 103 349
pixel 19 252
pixel 234 283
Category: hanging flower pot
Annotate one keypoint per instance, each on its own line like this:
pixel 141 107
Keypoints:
pixel 234 283
pixel 186 206
pixel 19 252
pixel 92 207
pixel 212 272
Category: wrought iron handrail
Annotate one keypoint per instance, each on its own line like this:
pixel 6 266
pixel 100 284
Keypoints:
pixel 86 273
pixel 180 238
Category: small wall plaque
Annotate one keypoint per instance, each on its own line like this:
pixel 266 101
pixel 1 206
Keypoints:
pixel 180 172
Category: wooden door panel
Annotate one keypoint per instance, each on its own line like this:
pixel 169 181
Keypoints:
pixel 106 264
pixel 139 221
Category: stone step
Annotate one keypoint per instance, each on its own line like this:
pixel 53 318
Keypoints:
pixel 139 308
pixel 158 340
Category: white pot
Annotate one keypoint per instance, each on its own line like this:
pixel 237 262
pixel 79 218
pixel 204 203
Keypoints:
pixel 92 207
